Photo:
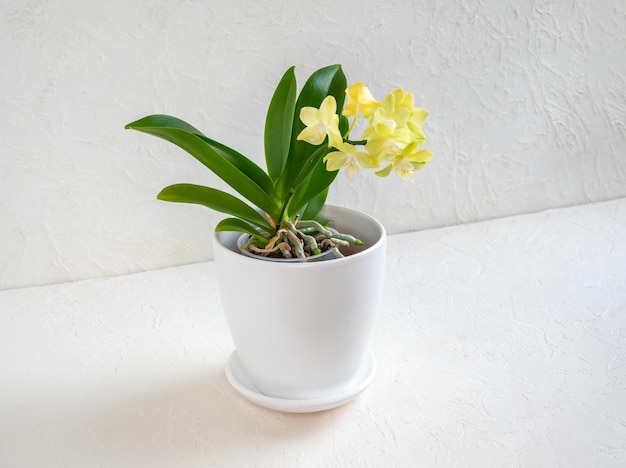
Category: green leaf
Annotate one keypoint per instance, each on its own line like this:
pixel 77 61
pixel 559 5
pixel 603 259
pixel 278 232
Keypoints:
pixel 248 167
pixel 239 176
pixel 162 120
pixel 279 123
pixel 238 160
pixel 315 205
pixel 344 125
pixel 325 81
pixel 309 165
pixel 214 199
pixel 238 225
pixel 317 182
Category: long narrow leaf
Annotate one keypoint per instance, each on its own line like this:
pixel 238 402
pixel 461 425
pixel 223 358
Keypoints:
pixel 245 165
pixel 310 164
pixel 315 205
pixel 238 160
pixel 196 145
pixel 214 199
pixel 325 81
pixel 279 123
pixel 165 121
pixel 238 225
pixel 318 181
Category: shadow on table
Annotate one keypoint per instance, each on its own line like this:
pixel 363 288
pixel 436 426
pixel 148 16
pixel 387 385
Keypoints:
pixel 195 419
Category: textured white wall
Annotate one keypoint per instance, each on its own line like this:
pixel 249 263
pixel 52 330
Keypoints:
pixel 527 101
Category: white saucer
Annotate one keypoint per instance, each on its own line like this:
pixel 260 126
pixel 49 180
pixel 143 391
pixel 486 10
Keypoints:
pixel 238 378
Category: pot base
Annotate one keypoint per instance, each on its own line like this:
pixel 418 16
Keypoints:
pixel 240 381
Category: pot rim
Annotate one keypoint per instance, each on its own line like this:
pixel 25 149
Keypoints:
pixel 330 263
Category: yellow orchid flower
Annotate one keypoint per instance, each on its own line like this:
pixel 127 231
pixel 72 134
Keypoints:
pixel 385 141
pixel 388 119
pixel 406 162
pixel 320 123
pixel 347 157
pixel 393 135
pixel 411 160
pixel 398 107
pixel 360 99
pixel 402 98
pixel 417 116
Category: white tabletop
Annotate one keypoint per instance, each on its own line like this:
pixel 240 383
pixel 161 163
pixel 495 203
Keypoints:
pixel 501 343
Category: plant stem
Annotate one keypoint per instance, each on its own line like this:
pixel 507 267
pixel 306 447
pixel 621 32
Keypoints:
pixel 356 142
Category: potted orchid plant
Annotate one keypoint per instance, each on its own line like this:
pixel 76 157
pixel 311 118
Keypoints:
pixel 301 327
pixel 308 139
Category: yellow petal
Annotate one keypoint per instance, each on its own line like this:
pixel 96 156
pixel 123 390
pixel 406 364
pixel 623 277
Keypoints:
pixel 422 156
pixel 335 160
pixel 419 135
pixel 311 135
pixel 360 99
pixel 385 171
pixel 419 116
pixel 367 161
pixel 309 116
pixel 404 99
pixel 328 108
pixel 334 135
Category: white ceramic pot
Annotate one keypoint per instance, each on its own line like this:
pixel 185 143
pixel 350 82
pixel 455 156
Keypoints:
pixel 301 330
